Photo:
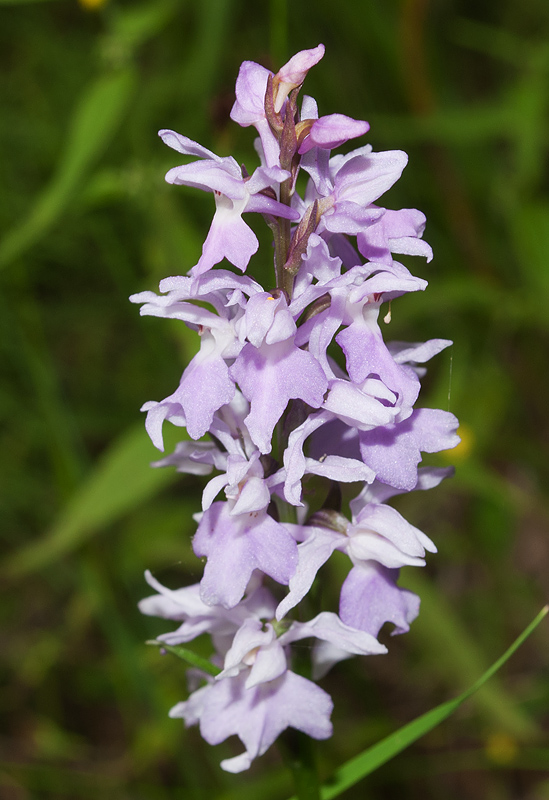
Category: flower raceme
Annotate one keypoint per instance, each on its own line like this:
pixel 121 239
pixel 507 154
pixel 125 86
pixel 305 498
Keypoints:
pixel 286 384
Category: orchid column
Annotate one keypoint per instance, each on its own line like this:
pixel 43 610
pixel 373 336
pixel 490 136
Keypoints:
pixel 288 383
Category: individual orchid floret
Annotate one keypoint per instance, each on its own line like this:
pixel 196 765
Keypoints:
pixel 187 407
pixel 378 533
pixel 366 354
pixel 233 453
pixel 292 74
pixel 229 236
pixel 256 696
pixel 244 485
pixel 347 186
pixel 196 617
pixel 258 651
pixel 335 641
pixel 236 545
pixel 205 385
pixel 394 451
pixel 273 370
pixel 332 131
pixel 395 232
pixel 251 87
pixel 249 108
pixel 366 410
pixel 257 715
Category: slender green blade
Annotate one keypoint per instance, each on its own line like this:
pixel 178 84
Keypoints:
pixel 189 657
pixel 368 761
pixel 95 119
pixel 121 480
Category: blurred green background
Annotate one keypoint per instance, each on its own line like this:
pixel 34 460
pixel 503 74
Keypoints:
pixel 86 220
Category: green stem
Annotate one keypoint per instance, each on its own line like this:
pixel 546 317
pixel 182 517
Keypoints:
pixel 298 752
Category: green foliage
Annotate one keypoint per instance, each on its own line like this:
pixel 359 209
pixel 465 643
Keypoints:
pixel 373 758
pixel 86 220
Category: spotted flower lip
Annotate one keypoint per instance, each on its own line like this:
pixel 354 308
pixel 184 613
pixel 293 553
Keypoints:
pixel 294 392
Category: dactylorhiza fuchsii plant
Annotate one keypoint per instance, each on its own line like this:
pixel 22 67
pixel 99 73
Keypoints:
pixel 288 383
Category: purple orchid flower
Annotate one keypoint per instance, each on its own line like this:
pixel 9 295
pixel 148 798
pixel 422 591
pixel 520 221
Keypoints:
pixel 378 533
pixel 271 369
pixel 268 367
pixel 229 236
pixel 257 715
pixel 251 86
pixel 206 384
pixel 236 545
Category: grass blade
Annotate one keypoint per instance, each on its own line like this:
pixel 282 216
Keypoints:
pixel 121 480
pixel 95 120
pixel 368 761
pixel 191 658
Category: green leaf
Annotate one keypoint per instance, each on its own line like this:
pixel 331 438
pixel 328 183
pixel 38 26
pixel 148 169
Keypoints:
pixel 190 657
pixel 373 758
pixel 121 480
pixel 132 26
pixel 457 657
pixel 95 119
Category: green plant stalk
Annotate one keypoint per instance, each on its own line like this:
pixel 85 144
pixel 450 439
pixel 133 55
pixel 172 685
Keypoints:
pixel 298 753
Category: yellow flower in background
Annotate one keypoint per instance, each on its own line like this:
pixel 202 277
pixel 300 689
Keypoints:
pixel 501 748
pixel 92 5
pixel 463 450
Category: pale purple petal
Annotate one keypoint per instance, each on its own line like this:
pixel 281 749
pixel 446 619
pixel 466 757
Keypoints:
pixel 418 353
pixel 396 232
pixel 229 237
pixel 269 377
pixel 250 88
pixel 295 462
pixel 249 107
pixel 248 638
pixel 330 628
pixel 366 354
pixel 257 715
pixel 185 145
pixel 428 478
pixel 294 72
pixel 205 386
pixel 270 663
pixel 388 523
pixel 254 496
pixel 237 545
pixel 332 131
pixel 365 177
pixel 395 451
pixel 210 176
pixel 370 598
pixel 175 604
pixel 358 408
pixel 337 468
pixel 312 553
pixel 267 319
pixel 193 458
